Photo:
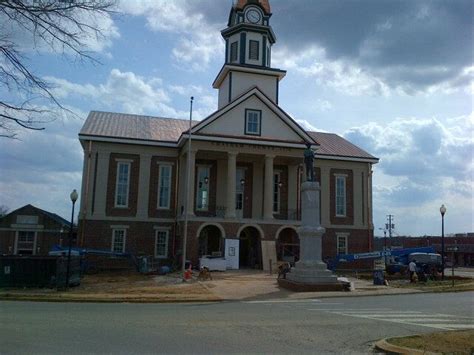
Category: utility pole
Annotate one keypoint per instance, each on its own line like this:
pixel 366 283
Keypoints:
pixel 389 226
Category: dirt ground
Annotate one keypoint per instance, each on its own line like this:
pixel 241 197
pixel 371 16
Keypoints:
pixel 452 342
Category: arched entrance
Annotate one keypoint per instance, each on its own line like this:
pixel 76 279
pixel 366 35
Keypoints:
pixel 250 249
pixel 288 245
pixel 211 241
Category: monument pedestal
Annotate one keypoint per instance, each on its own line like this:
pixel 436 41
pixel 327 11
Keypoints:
pixel 311 273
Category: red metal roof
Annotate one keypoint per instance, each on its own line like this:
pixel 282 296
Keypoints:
pixel 161 129
pixel 264 4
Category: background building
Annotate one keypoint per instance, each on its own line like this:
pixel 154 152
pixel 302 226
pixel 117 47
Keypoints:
pixel 30 230
pixel 246 170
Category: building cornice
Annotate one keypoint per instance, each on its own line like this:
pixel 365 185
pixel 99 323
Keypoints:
pixel 226 68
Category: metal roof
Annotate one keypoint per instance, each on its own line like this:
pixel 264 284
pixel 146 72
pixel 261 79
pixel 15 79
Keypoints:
pixel 161 129
pixel 334 145
pixel 122 125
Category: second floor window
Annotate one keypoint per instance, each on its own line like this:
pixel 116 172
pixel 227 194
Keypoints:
pixel 203 182
pixel 164 186
pixel 26 242
pixel 253 120
pixel 276 193
pixel 123 181
pixel 341 196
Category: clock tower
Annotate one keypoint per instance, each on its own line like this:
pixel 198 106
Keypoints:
pixel 249 39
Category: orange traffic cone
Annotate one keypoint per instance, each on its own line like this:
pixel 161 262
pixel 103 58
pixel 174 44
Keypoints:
pixel 187 274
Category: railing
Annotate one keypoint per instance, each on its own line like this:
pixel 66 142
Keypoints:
pixel 290 215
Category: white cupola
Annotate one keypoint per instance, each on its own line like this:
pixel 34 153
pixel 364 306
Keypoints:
pixel 249 39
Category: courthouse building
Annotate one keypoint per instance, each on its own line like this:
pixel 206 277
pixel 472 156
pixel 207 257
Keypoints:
pixel 246 170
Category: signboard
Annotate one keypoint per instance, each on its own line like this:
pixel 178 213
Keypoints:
pixel 379 264
pixel 453 249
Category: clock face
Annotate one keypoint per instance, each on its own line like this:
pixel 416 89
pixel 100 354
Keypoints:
pixel 253 16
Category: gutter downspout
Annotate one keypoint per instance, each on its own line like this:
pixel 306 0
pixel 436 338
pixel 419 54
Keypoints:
pixel 86 193
pixel 176 204
pixel 369 204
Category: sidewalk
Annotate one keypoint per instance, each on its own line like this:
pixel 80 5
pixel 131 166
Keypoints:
pixel 225 286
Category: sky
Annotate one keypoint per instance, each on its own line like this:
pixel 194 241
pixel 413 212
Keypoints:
pixel 393 77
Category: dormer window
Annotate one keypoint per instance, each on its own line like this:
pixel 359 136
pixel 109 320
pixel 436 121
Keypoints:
pixel 253 122
pixel 254 50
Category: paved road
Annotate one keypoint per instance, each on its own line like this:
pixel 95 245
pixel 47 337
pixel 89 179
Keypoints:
pixel 335 325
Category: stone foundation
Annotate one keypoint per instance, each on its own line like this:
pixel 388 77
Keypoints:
pixel 319 287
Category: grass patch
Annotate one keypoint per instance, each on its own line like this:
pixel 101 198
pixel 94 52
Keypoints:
pixel 452 342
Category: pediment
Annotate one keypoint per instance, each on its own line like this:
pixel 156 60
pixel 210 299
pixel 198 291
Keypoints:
pixel 231 121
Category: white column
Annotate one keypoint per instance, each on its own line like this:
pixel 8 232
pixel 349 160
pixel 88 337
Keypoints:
pixel 231 163
pixel 144 185
pixel 268 188
pixel 191 184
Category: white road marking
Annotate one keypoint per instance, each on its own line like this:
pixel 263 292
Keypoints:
pixel 416 318
pixel 288 301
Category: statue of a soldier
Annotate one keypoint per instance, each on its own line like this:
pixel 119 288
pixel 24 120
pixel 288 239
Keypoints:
pixel 309 162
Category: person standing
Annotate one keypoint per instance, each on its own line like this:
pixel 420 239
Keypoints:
pixel 412 269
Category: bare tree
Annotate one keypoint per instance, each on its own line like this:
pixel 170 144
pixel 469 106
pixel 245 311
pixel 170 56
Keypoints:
pixel 62 26
pixel 3 210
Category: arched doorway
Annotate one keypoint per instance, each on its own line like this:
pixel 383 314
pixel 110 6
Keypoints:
pixel 211 241
pixel 250 249
pixel 288 246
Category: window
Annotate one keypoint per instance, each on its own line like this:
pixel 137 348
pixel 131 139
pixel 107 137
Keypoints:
pixel 25 242
pixel 341 244
pixel 253 122
pixel 123 180
pixel 276 193
pixel 161 244
pixel 118 240
pixel 233 51
pixel 164 187
pixel 254 50
pixel 203 188
pixel 341 196
pixel 268 56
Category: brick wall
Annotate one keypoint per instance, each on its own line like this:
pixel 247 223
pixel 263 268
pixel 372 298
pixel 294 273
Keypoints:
pixel 153 210
pixel 131 210
pixel 140 236
pixel 349 218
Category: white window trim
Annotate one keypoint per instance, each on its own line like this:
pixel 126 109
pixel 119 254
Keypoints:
pixel 344 176
pixel 279 193
pixel 124 238
pixel 168 201
pixel 208 167
pixel 117 181
pixel 345 237
pixel 259 122
pixel 15 252
pixel 167 231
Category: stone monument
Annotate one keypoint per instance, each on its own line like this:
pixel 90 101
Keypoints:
pixel 310 272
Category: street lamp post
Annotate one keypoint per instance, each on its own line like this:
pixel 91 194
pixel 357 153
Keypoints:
pixel 442 210
pixel 73 197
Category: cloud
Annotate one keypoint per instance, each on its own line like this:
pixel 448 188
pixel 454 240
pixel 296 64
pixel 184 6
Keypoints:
pixel 423 163
pixel 26 37
pixel 356 47
pixel 131 93
pixel 43 167
pixel 413 46
pixel 193 21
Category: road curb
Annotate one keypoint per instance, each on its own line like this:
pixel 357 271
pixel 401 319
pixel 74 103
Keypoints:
pixel 384 345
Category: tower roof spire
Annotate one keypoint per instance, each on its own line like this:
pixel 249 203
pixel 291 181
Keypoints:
pixel 264 4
